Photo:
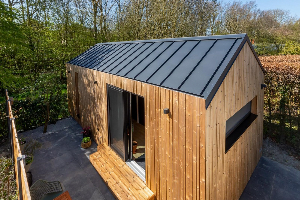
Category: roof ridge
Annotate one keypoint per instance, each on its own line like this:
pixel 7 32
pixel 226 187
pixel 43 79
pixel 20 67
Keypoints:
pixel 196 38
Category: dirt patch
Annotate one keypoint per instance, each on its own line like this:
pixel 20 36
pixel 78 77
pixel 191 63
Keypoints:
pixel 280 153
pixel 4 148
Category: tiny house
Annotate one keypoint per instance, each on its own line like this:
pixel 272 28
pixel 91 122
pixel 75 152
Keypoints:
pixel 183 115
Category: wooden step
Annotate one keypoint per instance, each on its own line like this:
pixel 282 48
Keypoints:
pixel 121 180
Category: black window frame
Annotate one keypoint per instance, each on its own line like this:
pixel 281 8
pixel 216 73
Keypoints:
pixel 237 130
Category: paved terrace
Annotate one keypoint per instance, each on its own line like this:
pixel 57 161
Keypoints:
pixel 62 159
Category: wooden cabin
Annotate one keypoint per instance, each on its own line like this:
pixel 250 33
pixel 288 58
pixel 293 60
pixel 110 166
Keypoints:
pixel 173 118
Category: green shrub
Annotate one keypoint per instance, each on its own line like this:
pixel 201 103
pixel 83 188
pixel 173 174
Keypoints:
pixel 8 187
pixel 86 139
pixel 291 48
pixel 30 113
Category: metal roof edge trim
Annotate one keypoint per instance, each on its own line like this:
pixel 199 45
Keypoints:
pixel 168 88
pixel 213 37
pixel 255 54
pixel 224 74
pixel 81 54
pixel 228 67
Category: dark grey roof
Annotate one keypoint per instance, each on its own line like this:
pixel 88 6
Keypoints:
pixel 194 65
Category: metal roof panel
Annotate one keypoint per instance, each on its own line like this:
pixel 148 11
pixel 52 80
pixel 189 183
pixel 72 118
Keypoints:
pixel 117 52
pixel 203 72
pixel 92 57
pixel 168 66
pixel 120 57
pixel 134 63
pixel 194 65
pixel 183 70
pixel 100 54
pixel 151 57
pixel 148 72
pixel 84 57
pixel 134 55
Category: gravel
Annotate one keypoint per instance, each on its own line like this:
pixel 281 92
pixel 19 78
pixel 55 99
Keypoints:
pixel 279 154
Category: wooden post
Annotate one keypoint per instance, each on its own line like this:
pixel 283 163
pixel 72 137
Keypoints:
pixel 19 178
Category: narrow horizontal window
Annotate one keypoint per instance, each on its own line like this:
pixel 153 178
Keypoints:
pixel 239 122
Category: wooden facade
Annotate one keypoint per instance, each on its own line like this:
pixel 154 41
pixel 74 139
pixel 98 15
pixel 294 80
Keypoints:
pixel 185 149
pixel 175 143
pixel 228 174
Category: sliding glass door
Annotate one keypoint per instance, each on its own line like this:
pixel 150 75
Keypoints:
pixel 118 104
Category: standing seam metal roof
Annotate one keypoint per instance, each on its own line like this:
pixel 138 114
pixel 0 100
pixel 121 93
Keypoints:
pixel 194 65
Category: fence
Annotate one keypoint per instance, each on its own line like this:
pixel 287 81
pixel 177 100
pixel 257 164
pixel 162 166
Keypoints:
pixel 18 158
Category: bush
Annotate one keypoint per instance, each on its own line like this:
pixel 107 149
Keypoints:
pixel 282 99
pixel 291 48
pixel 8 187
pixel 31 113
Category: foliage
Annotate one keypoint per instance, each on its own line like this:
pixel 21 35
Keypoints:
pixel 3 121
pixel 38 37
pixel 22 141
pixel 9 29
pixel 86 131
pixel 30 112
pixel 265 48
pixel 291 48
pixel 86 139
pixel 282 98
pixel 8 187
pixel 28 160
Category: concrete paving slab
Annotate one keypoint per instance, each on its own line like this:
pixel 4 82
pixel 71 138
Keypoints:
pixel 272 181
pixel 60 158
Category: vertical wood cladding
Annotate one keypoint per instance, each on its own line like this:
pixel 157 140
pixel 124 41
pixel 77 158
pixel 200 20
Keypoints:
pixel 175 142
pixel 227 174
pixel 185 149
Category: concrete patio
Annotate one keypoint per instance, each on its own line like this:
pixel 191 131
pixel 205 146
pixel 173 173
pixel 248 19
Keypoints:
pixel 60 158
pixel 272 181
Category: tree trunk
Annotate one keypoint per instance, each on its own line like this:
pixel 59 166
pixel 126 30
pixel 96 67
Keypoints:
pixel 95 13
pixel 47 115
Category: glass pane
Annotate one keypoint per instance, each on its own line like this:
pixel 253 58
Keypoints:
pixel 116 120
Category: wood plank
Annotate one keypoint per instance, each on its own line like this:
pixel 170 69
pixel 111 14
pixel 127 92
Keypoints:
pixel 123 182
pixel 157 140
pixel 189 147
pixel 162 142
pixel 175 156
pixel 170 179
pixel 195 147
pixel 182 139
pixel 202 149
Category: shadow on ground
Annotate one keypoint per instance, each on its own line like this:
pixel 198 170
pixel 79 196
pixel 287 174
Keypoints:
pixel 272 181
pixel 61 158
